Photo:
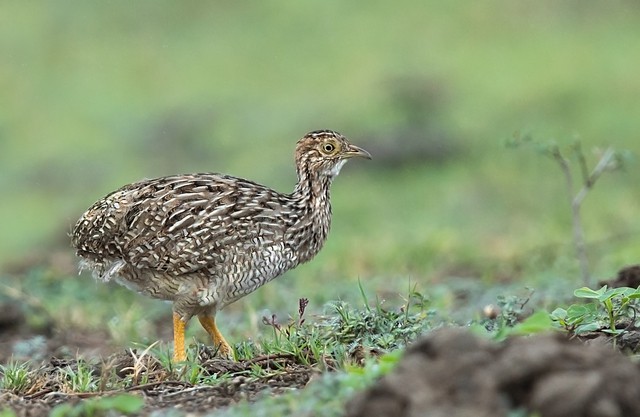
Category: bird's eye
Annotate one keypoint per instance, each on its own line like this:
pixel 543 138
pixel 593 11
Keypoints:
pixel 328 147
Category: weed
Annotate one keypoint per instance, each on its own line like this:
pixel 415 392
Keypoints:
pixel 296 338
pixel 247 349
pixel 164 356
pixel 81 378
pixel 612 311
pixel 509 317
pixel 16 376
pixel 192 372
pixel 325 397
pixel 334 337
pixel 508 311
pixel 378 327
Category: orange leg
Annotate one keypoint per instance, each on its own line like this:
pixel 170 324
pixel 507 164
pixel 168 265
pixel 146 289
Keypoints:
pixel 179 352
pixel 209 324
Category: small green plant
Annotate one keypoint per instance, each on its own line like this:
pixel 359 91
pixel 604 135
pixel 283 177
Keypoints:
pixel 567 158
pixel 344 332
pixel 508 311
pixel 164 355
pixel 326 396
pixel 16 376
pixel 81 378
pixel 509 318
pixel 377 326
pixel 308 343
pixel 121 404
pixel 192 372
pixel 611 311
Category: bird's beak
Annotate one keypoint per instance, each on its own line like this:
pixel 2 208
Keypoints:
pixel 353 151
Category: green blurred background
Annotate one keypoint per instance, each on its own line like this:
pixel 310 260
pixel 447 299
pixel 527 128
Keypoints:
pixel 99 94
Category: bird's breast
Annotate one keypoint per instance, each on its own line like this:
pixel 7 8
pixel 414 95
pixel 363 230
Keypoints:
pixel 246 271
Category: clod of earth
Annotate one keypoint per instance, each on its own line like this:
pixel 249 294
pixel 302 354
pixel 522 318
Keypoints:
pixel 454 373
pixel 628 276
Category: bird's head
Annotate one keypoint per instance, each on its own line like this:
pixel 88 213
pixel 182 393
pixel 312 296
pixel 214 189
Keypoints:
pixel 324 152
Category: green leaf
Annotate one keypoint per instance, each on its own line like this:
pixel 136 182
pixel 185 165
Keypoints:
pixel 614 292
pixel 586 328
pixel 586 292
pixel 559 314
pixel 630 292
pixel 539 321
pixel 577 310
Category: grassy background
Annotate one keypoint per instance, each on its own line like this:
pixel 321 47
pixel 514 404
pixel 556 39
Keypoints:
pixel 98 94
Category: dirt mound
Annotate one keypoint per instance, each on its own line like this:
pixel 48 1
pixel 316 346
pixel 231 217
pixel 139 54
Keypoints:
pixel 453 373
pixel 627 277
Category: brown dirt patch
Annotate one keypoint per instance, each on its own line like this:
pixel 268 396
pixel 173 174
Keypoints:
pixel 628 276
pixel 454 373
pixel 162 390
pixel 54 353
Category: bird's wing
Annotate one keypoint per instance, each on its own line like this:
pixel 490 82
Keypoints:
pixel 181 224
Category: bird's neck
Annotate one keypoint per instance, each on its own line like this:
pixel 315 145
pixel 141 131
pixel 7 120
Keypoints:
pixel 313 208
pixel 312 189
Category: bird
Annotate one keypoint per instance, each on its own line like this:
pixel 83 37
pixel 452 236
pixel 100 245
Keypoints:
pixel 203 241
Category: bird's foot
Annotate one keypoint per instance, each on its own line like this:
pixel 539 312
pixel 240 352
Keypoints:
pixel 225 351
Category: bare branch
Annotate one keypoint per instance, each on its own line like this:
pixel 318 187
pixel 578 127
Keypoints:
pixel 601 167
pixel 582 161
pixel 578 233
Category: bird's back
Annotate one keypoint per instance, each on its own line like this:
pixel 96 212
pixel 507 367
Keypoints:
pixel 180 225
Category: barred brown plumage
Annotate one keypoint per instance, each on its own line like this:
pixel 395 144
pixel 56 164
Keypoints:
pixel 203 241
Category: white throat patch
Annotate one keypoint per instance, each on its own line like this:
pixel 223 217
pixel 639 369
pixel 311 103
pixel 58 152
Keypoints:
pixel 336 169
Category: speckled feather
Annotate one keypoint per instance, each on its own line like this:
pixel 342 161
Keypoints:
pixel 206 240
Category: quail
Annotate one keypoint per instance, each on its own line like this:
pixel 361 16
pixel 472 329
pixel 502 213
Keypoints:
pixel 203 241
